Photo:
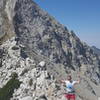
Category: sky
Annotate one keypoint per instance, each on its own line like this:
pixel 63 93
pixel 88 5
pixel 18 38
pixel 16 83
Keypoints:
pixel 81 16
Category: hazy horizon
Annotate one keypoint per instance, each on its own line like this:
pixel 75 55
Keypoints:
pixel 81 16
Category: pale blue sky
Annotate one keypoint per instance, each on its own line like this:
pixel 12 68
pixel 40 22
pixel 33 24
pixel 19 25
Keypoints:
pixel 82 16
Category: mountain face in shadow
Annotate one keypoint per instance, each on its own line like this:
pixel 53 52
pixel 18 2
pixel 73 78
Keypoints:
pixel 38 36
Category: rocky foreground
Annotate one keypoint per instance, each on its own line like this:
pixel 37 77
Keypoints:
pixel 36 52
pixel 36 82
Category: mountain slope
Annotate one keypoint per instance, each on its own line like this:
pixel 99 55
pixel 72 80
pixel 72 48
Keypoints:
pixel 42 33
pixel 42 38
pixel 96 50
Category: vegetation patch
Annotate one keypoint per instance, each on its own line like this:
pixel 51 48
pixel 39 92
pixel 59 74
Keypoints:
pixel 7 91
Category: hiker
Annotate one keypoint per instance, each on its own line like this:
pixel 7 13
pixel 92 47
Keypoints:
pixel 70 91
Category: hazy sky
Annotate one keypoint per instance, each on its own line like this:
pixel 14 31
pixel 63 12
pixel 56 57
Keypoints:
pixel 82 16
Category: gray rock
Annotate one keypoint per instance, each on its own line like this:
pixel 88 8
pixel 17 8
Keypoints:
pixel 26 98
pixel 39 37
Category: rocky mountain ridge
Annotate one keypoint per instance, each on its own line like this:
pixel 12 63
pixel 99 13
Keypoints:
pixel 39 37
pixel 96 50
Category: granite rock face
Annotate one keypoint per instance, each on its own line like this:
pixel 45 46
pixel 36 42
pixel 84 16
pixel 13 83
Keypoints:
pixel 96 50
pixel 6 19
pixel 37 38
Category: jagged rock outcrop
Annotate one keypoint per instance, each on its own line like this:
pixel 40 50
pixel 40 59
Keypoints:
pixel 39 37
pixel 96 50
pixel 6 19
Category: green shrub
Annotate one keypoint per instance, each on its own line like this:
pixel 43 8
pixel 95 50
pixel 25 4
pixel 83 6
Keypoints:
pixel 7 91
pixel 14 75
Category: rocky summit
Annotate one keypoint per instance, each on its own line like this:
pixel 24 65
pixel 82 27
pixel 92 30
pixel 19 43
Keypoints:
pixel 36 52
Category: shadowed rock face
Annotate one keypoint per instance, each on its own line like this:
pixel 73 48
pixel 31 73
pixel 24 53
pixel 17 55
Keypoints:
pixel 43 38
